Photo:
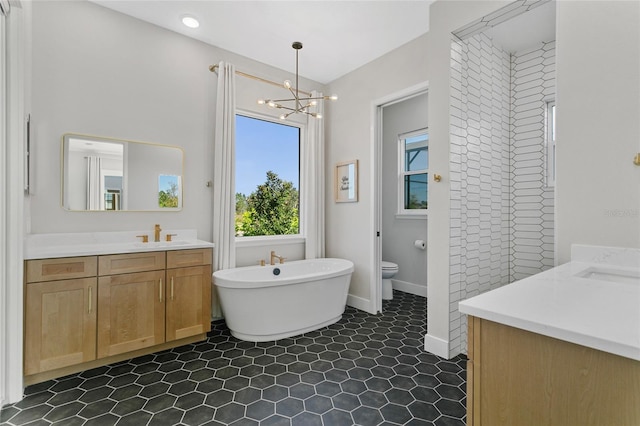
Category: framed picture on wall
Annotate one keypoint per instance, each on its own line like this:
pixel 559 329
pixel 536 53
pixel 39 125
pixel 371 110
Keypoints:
pixel 346 182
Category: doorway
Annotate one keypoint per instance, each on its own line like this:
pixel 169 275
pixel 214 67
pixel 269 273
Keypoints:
pixel 396 233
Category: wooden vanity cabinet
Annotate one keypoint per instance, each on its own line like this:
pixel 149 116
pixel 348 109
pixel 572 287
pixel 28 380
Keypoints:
pixel 516 377
pixel 85 312
pixel 60 314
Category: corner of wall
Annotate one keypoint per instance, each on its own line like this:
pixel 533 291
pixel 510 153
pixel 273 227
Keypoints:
pixel 361 303
pixel 437 346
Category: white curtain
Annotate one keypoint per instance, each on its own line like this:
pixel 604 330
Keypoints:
pixel 224 186
pixel 94 186
pixel 312 182
pixel 4 7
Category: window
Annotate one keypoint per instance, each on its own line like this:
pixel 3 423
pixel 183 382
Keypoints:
pixel 413 171
pixel 169 191
pixel 267 178
pixel 551 143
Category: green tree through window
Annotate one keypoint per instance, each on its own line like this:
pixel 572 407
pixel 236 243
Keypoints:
pixel 169 197
pixel 272 209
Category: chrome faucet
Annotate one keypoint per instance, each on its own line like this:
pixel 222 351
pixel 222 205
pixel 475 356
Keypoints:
pixel 156 233
pixel 275 256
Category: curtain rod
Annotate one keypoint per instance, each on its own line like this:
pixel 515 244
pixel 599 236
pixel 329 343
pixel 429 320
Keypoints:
pixel 214 68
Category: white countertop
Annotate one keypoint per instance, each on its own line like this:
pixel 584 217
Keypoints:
pixel 571 304
pixel 55 245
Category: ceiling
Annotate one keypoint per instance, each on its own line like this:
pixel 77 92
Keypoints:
pixel 526 30
pixel 338 35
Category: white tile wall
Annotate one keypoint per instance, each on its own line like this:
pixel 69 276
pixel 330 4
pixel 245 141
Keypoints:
pixel 532 223
pixel 501 213
pixel 479 175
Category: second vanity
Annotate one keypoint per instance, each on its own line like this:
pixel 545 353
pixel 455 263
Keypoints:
pixel 96 298
pixel 559 348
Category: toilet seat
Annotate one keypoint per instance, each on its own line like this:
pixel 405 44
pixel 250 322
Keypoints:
pixel 388 265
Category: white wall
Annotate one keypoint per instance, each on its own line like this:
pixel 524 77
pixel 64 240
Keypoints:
pixel 399 234
pixel 598 130
pixel 349 137
pixel 98 72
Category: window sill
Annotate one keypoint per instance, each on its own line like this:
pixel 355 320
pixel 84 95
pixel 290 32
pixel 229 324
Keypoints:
pixel 274 240
pixel 423 216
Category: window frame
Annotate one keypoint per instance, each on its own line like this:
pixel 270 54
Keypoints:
pixel 550 143
pixel 257 240
pixel 403 213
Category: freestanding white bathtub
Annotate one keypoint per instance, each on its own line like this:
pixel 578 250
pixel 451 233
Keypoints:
pixel 262 303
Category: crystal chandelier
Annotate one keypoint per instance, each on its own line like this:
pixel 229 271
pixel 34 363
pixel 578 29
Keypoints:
pixel 296 105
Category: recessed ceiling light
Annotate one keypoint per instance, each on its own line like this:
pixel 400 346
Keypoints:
pixel 190 21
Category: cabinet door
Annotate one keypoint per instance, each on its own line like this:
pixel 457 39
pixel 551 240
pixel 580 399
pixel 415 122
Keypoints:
pixel 188 301
pixel 60 324
pixel 130 312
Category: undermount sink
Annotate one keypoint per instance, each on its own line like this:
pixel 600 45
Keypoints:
pixel 151 244
pixel 623 276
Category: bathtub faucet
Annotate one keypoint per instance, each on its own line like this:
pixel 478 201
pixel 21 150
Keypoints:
pixel 275 256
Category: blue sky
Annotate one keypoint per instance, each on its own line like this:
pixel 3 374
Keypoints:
pixel 164 181
pixel 262 146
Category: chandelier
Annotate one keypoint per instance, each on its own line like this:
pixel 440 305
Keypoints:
pixel 296 105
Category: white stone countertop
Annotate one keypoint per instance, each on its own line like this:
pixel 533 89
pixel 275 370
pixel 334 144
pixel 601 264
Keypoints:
pixel 55 245
pixel 593 301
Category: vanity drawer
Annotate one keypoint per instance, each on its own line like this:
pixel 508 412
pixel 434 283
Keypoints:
pixel 131 262
pixel 184 258
pixel 39 270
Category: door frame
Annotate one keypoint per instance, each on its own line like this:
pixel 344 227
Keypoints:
pixel 377 107
pixel 13 105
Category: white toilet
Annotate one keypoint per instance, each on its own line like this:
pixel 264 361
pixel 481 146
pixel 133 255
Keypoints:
pixel 389 270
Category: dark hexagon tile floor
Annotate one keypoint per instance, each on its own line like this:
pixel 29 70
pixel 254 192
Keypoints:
pixel 364 370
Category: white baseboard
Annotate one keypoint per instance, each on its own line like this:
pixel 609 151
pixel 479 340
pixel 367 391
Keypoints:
pixel 436 346
pixel 407 287
pixel 360 303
